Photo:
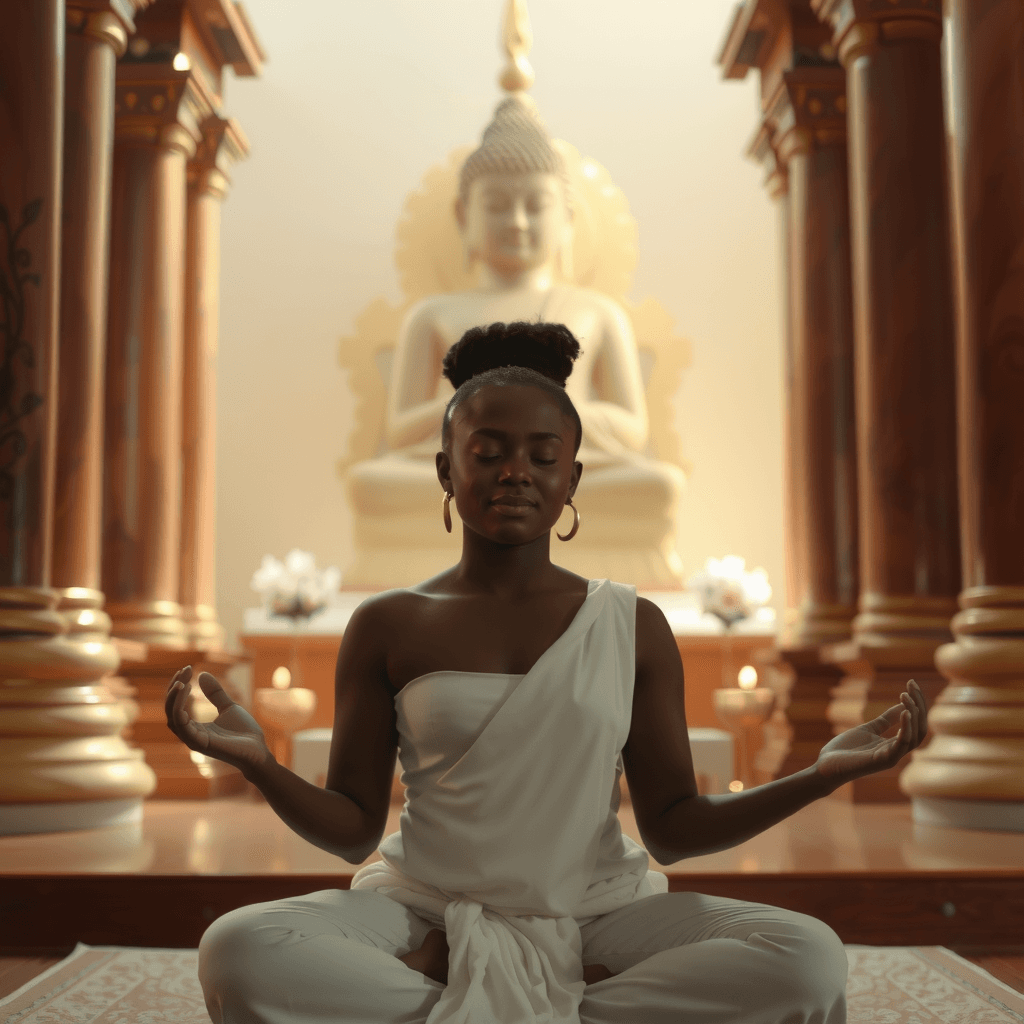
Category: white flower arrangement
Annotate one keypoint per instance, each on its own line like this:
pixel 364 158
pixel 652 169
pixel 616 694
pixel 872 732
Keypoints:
pixel 295 588
pixel 727 590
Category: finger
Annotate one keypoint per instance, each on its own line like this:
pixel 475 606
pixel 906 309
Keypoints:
pixel 918 694
pixel 887 719
pixel 914 700
pixel 215 693
pixel 188 728
pixel 182 673
pixel 906 733
pixel 179 679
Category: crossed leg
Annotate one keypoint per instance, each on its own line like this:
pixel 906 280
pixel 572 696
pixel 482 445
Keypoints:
pixel 687 958
pixel 682 958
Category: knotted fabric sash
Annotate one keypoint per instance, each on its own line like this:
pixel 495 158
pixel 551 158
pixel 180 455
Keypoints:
pixel 518 839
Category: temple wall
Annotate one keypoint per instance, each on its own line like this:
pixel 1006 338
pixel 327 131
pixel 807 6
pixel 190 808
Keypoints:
pixel 307 242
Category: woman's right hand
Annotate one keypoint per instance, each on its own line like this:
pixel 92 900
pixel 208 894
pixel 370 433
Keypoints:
pixel 234 737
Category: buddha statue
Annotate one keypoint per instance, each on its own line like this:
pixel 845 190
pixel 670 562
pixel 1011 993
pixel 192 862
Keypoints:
pixel 515 215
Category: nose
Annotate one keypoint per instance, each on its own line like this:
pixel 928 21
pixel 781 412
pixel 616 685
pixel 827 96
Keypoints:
pixel 515 469
pixel 519 217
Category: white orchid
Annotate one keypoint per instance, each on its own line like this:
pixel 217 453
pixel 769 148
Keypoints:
pixel 727 590
pixel 295 587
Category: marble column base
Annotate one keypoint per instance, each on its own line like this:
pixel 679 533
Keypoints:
pixel 988 815
pixel 67 816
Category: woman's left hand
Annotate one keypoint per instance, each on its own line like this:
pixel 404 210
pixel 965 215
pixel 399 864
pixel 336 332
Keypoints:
pixel 862 751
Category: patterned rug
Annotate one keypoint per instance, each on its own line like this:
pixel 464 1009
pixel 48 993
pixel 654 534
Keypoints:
pixel 119 985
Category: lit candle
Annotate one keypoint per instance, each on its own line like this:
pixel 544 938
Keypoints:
pixel 740 709
pixel 747 677
pixel 281 679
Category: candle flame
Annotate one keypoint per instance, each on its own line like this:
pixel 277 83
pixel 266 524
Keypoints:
pixel 281 679
pixel 748 677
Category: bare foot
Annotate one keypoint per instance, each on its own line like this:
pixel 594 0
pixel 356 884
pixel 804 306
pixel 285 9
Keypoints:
pixel 595 972
pixel 431 958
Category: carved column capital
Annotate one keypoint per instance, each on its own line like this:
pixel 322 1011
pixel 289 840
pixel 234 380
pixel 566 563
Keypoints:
pixel 156 105
pixel 223 144
pixel 861 26
pixel 109 21
pixel 809 110
pixel 762 149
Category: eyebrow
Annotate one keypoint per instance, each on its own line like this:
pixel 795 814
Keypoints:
pixel 500 435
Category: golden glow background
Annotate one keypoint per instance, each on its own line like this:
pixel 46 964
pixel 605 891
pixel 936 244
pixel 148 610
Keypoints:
pixel 356 102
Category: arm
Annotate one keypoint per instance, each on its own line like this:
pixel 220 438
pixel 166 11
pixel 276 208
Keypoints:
pixel 682 823
pixel 331 821
pixel 618 419
pixel 674 821
pixel 414 406
pixel 698 825
pixel 348 816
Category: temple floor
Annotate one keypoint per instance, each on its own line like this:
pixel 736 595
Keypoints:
pixel 868 870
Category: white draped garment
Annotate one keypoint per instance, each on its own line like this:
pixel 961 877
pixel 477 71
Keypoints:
pixel 512 838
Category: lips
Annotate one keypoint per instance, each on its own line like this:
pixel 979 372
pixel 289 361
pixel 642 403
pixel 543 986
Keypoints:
pixel 512 500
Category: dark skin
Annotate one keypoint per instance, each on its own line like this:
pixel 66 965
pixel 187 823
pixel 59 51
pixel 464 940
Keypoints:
pixel 511 466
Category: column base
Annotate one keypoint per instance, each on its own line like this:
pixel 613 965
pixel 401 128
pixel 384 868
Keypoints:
pixel 205 633
pixel 68 816
pixel 987 815
pixel 804 685
pixel 149 622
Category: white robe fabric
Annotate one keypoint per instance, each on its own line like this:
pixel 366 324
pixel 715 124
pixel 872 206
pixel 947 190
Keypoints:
pixel 517 844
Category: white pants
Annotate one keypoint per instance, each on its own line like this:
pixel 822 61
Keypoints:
pixel 679 958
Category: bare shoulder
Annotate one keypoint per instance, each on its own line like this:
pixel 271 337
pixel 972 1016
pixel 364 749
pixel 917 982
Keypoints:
pixel 380 613
pixel 654 637
pixel 391 614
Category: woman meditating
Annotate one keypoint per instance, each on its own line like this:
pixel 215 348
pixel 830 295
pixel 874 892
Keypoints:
pixel 516 693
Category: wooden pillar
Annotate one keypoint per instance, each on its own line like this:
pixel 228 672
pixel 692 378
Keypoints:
pixel 810 132
pixel 904 353
pixel 972 774
pixel 222 145
pixel 95 39
pixel 803 130
pixel 169 86
pixel 62 764
pixel 97 34
pixel 156 132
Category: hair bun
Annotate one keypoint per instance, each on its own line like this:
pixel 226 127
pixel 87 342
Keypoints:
pixel 550 349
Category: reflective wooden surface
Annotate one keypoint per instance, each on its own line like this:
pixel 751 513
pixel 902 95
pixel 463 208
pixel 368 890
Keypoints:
pixel 242 836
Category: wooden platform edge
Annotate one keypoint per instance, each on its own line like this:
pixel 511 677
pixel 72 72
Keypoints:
pixel 47 912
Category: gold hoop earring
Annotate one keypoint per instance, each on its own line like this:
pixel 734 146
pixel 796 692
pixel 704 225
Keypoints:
pixel 575 522
pixel 447 512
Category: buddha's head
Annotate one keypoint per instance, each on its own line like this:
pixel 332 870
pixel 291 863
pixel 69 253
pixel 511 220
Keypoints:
pixel 514 206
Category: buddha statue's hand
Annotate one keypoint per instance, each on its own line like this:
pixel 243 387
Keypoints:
pixel 611 429
pixel 234 737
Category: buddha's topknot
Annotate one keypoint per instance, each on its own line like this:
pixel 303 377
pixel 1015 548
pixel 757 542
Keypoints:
pixel 537 355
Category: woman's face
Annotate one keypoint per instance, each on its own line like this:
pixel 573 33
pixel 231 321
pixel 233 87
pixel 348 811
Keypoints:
pixel 517 221
pixel 512 464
